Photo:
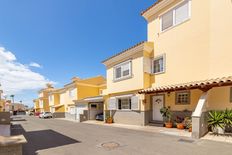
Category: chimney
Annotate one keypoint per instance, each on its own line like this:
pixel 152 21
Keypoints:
pixel 75 79
pixel 49 85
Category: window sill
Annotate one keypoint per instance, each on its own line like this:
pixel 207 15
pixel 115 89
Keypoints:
pixel 158 73
pixel 124 78
pixel 182 104
pixel 173 26
pixel 124 110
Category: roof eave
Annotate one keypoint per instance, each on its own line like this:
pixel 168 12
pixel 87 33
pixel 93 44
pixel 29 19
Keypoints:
pixel 157 6
pixel 202 85
pixel 142 46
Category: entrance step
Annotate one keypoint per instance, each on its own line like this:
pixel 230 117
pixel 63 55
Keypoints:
pixel 156 123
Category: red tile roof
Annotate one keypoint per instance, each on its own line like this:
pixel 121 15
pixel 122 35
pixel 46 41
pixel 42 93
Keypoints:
pixel 157 2
pixel 203 85
pixel 123 51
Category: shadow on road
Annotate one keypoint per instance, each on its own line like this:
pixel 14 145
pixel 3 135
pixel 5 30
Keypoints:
pixel 42 139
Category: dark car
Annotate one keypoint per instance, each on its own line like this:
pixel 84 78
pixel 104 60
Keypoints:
pixel 100 117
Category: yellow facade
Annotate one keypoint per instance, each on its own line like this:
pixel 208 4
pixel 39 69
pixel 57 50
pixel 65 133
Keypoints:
pixel 198 48
pixel 79 89
pixel 139 79
pixel 43 102
pixel 36 105
pixel 2 105
pixel 193 47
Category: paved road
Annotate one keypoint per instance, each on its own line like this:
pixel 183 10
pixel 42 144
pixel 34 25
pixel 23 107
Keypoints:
pixel 60 137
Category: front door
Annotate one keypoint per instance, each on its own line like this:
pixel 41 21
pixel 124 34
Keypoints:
pixel 157 104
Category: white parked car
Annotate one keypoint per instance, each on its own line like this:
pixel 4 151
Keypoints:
pixel 45 115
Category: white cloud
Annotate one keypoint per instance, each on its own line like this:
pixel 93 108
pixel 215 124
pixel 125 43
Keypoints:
pixel 16 77
pixel 34 64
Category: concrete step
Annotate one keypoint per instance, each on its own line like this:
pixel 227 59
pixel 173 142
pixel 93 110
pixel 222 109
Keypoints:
pixel 156 123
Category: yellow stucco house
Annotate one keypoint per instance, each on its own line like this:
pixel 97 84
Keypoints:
pixel 36 105
pixel 65 102
pixel 185 64
pixel 2 105
pixel 2 101
pixel 55 107
pixel 42 103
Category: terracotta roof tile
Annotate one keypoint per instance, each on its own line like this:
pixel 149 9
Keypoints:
pixel 123 51
pixel 209 83
pixel 154 4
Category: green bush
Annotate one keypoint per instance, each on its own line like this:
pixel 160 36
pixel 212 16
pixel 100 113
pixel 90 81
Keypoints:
pixel 220 118
pixel 216 119
pixel 228 117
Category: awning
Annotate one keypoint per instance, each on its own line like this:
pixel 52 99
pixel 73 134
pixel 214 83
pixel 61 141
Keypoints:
pixel 56 106
pixel 90 99
pixel 71 104
pixel 203 85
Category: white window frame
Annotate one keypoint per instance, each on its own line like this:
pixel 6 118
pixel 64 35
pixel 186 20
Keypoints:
pixel 129 98
pixel 164 64
pixel 40 103
pixel 174 14
pixel 120 65
pixel 72 93
pixel 50 98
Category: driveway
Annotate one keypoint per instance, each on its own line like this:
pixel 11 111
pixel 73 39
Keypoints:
pixel 61 137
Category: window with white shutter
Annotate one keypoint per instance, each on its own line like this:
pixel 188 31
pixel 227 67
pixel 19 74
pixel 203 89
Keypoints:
pixel 182 13
pixel 167 20
pixel 122 71
pixel 135 103
pixel 72 93
pixel 176 16
pixel 72 110
pixel 112 104
pixel 50 98
pixel 147 65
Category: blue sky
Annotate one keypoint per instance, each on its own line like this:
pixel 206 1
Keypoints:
pixel 66 38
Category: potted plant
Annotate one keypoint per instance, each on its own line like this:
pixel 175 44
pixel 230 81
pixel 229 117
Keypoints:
pixel 166 114
pixel 216 122
pixel 188 123
pixel 109 120
pixel 179 123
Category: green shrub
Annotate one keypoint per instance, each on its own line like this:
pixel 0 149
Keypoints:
pixel 228 118
pixel 216 119
pixel 220 118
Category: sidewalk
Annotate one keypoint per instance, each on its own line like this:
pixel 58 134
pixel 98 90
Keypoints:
pixel 220 138
pixel 173 131
pixel 167 131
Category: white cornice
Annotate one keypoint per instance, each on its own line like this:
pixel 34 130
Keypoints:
pixel 129 53
pixel 156 8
